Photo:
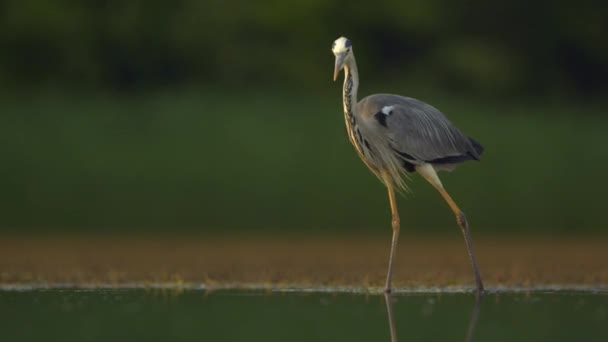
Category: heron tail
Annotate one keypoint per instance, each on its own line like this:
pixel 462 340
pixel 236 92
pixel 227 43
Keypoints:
pixel 477 146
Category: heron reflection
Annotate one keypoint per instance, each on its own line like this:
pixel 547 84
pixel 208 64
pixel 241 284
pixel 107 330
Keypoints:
pixel 388 298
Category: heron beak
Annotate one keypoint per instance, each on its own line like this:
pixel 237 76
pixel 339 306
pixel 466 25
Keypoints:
pixel 339 65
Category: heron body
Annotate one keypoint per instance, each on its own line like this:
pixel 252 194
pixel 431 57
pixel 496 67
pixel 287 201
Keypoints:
pixel 396 135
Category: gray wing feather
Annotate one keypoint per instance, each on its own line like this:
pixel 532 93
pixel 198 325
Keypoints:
pixel 418 129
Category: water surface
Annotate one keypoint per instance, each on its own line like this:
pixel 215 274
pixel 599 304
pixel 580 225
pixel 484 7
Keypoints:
pixel 195 315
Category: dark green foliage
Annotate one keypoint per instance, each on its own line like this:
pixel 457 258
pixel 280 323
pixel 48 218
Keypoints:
pixel 240 154
pixel 510 47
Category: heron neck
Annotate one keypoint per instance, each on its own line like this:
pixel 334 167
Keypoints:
pixel 351 85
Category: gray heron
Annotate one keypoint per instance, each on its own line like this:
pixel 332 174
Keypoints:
pixel 396 135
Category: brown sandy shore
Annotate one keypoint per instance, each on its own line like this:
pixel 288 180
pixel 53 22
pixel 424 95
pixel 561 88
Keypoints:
pixel 299 261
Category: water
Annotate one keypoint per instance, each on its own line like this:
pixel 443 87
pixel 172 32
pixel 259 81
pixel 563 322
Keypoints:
pixel 196 315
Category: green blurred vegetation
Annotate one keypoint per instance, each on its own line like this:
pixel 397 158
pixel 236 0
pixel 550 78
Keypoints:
pixel 201 160
pixel 220 115
pixel 514 47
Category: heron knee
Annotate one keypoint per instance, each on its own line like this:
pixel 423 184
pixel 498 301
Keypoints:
pixel 396 223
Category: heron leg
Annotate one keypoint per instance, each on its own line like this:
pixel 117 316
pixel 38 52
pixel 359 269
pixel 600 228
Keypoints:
pixel 395 225
pixel 428 173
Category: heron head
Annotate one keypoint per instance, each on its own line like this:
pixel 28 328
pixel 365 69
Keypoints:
pixel 342 49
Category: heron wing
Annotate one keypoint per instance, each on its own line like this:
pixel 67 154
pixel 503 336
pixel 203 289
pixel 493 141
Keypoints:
pixel 419 132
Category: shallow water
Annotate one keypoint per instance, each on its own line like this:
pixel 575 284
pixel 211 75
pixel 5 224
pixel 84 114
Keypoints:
pixel 196 315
